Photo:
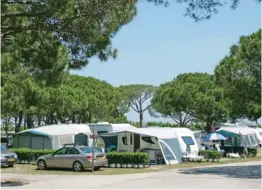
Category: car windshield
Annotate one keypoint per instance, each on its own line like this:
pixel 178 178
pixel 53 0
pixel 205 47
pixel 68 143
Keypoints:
pixel 3 148
pixel 88 149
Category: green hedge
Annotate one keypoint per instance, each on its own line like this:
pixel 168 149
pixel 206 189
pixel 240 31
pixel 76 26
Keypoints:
pixel 211 154
pixel 27 155
pixel 252 152
pixel 127 158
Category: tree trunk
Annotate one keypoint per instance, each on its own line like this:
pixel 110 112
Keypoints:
pixel 141 119
pixel 29 122
pixel 39 121
pixel 89 118
pixel 209 128
pixel 19 123
pixel 73 119
pixel 15 120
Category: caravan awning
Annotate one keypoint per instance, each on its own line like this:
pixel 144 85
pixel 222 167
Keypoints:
pixel 161 133
pixel 235 131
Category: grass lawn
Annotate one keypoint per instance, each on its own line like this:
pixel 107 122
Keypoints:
pixel 32 169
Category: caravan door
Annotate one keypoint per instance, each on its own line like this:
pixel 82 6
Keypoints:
pixel 168 154
pixel 125 142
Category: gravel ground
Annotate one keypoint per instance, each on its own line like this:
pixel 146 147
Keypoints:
pixel 231 176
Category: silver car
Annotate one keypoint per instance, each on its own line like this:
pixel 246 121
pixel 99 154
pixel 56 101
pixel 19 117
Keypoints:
pixel 8 158
pixel 78 158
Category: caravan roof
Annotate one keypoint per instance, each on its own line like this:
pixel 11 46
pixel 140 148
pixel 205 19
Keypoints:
pixel 60 129
pixel 161 133
pixel 121 126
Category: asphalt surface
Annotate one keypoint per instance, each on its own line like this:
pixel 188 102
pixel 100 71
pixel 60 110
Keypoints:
pixel 231 176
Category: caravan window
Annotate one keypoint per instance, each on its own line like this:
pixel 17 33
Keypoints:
pixel 131 139
pixel 3 140
pixel 188 140
pixel 124 140
pixel 253 140
pixel 148 140
pixel 101 132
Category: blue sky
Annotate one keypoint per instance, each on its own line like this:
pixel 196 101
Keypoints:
pixel 161 43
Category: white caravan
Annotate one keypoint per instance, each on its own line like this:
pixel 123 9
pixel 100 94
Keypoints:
pixel 174 143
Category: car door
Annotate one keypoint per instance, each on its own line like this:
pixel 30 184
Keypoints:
pixel 72 155
pixel 58 159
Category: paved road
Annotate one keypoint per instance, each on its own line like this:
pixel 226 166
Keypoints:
pixel 231 176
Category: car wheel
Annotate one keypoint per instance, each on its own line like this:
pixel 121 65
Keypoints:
pixel 77 166
pixel 12 165
pixel 97 168
pixel 41 165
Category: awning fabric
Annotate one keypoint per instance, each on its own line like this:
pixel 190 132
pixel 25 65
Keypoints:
pixel 235 131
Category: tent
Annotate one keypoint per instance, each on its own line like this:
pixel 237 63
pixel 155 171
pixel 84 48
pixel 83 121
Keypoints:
pixel 152 138
pixel 240 136
pixel 52 136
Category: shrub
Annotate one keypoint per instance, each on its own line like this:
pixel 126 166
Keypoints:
pixel 232 149
pixel 252 152
pixel 127 158
pixel 211 154
pixel 27 155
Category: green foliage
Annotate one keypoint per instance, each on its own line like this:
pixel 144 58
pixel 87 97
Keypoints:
pixel 27 155
pixel 191 97
pixel 84 27
pixel 211 154
pixel 252 152
pixel 201 10
pixel 239 74
pixel 126 158
pixel 136 96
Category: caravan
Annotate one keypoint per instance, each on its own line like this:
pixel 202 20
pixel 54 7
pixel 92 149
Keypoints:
pixel 172 143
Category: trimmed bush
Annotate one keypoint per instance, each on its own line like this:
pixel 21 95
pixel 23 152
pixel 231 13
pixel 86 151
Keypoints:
pixel 211 154
pixel 127 158
pixel 252 152
pixel 27 155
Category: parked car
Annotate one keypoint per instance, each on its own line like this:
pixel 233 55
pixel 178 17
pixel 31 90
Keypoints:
pixel 77 158
pixel 8 158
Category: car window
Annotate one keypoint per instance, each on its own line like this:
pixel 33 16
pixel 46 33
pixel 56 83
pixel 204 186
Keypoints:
pixel 72 151
pixel 88 149
pixel 61 151
pixel 3 148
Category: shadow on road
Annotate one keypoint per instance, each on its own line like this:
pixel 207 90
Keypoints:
pixel 244 172
pixel 12 183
